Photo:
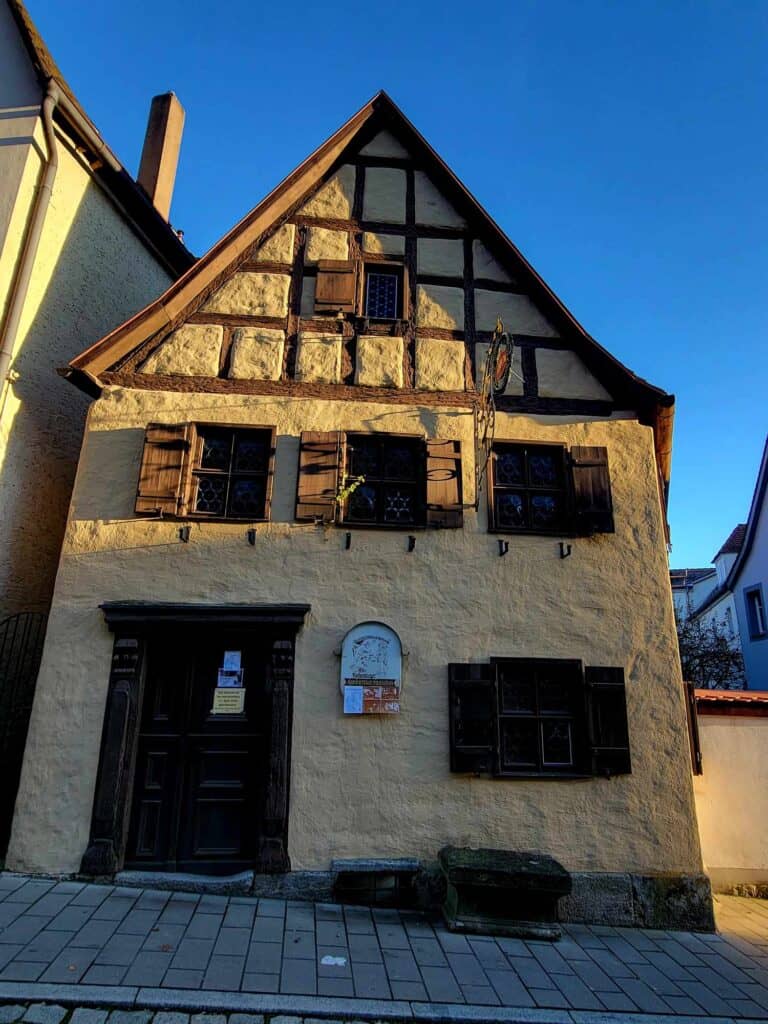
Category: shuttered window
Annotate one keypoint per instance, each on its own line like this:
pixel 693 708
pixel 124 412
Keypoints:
pixel 336 287
pixel 206 471
pixel 545 489
pixel 379 480
pixel 538 717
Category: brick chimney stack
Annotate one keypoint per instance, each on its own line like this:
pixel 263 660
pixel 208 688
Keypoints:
pixel 160 155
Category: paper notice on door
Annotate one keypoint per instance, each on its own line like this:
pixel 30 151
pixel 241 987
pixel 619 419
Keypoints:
pixel 229 701
pixel 353 700
pixel 229 678
pixel 232 661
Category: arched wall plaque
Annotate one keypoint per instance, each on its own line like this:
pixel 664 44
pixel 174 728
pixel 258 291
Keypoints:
pixel 371 670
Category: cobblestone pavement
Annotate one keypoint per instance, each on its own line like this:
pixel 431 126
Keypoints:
pixel 188 948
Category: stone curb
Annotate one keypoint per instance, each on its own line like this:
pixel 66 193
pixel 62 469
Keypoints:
pixel 195 1001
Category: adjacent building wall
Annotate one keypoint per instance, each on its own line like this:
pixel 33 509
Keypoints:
pixel 754 573
pixel 378 786
pixel 732 799
pixel 90 273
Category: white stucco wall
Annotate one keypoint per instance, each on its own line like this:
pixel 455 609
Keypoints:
pixel 732 799
pixel 378 786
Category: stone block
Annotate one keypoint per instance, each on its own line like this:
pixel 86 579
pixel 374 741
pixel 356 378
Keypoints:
pixel 563 375
pixel 439 364
pixel 384 144
pixel 325 244
pixel 257 353
pixel 599 898
pixel 440 306
pixel 440 256
pixel 484 264
pixel 252 294
pixel 278 248
pixel 518 313
pixel 335 197
pixel 379 361
pixel 384 197
pixel 193 350
pixel 432 208
pixel 12 1013
pixel 384 245
pixel 673 901
pixel 514 383
pixel 44 1013
pixel 307 307
pixel 318 358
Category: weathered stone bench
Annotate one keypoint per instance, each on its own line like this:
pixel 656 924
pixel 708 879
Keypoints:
pixel 504 892
pixel 383 882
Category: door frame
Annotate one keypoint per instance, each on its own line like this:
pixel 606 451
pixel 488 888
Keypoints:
pixel 131 622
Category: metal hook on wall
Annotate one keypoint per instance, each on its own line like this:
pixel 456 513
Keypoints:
pixel 565 550
pixel 503 548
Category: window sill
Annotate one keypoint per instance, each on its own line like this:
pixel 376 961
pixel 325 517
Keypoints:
pixel 511 532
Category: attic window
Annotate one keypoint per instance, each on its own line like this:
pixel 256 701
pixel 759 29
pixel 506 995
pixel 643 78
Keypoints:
pixel 381 295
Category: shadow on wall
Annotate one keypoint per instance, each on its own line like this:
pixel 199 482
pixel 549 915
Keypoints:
pixel 98 279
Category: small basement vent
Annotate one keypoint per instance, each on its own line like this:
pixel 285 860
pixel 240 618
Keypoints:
pixel 370 883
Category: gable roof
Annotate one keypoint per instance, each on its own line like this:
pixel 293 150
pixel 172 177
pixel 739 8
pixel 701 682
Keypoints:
pixel 134 201
pixel 755 509
pixel 688 577
pixel 654 406
pixel 732 545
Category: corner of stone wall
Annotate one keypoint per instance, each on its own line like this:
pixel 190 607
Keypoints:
pixel 683 902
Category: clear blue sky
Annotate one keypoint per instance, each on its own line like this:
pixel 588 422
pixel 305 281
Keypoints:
pixel 622 146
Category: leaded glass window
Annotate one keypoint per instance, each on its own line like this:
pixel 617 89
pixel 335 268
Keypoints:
pixel 230 473
pixel 382 295
pixel 387 477
pixel 541 716
pixel 529 488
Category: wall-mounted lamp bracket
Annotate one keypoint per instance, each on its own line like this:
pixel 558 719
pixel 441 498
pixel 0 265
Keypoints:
pixel 565 550
pixel 503 548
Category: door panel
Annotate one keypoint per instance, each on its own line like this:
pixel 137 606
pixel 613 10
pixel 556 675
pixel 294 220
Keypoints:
pixel 200 777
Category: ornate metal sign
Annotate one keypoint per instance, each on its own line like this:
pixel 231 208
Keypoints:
pixel 371 670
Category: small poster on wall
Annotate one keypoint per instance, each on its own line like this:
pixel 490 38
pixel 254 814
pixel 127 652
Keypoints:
pixel 228 701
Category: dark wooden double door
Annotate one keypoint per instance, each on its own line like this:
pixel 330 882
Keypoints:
pixel 200 777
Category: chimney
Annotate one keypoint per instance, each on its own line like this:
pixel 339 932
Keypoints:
pixel 160 155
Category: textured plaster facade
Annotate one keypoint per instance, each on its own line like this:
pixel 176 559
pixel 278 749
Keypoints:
pixel 732 799
pixel 440 306
pixel 452 599
pixel 335 198
pixel 257 353
pixel 384 195
pixel 516 311
pixel 192 350
pixel 324 244
pixel 439 364
pixel 91 272
pixel 252 294
pixel 562 373
pixel 385 245
pixel 278 248
pixel 432 208
pixel 440 256
pixel 379 361
pixel 485 265
pixel 318 358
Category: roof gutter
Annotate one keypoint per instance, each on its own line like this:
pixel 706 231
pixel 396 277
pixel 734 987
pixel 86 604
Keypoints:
pixel 20 287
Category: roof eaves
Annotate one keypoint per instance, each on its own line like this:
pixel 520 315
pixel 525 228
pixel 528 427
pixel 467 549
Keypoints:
pixel 755 509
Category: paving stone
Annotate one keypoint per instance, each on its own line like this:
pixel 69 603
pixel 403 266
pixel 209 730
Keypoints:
pixel 271 908
pixel 401 965
pixel 211 903
pixel 240 916
pixel 23 930
pixel 409 990
pixel 95 933
pixel 10 912
pixel 617 1001
pixel 549 998
pixel 332 912
pixel 240 1018
pixel 391 936
pixel 516 947
pixel 300 918
pixel 9 883
pixel 268 929
pixel 51 904
pixel 467 969
pixel 509 988
pixel 683 1004
pixel 299 977
pixel 209 1018
pixel 182 979
pixel 364 949
pixel 299 945
pixel 69 966
pixel 164 938
pixel 417 928
pixel 261 983
pixel 756 992
pixel 530 971
pixel 370 981
pixel 480 995
pixel 31 891
pixel 333 967
pixel 45 946
pixel 114 908
pixel 286 1020
pixel 609 963
pixel 152 899
pixel 45 1013
pixel 593 976
pixel 429 953
pixel 121 950
pixel 451 942
pixel 622 950
pixel 636 938
pixel 725 968
pixel 86 1015
pixel 203 926
pixel 170 1017
pixel 104 974
pixel 705 997
pixel 192 954
pixel 576 992
pixel 176 913
pixel 488 953
pixel 19 970
pixel 148 968
pixel 549 958
pixel 232 942
pixel 264 958
pixel 441 985
pixel 138 922
pixel 642 995
pixel 678 952
pixel 8 953
pixel 224 973
pixel 331 933
pixel 91 896
pixel 719 985
pixel 336 987
pixel 746 1008
pixel 14 1012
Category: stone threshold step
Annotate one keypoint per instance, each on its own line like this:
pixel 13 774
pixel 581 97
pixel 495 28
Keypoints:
pixel 319 1007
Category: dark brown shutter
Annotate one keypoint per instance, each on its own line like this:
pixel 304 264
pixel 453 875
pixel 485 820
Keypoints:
pixel 164 469
pixel 472 702
pixel 607 720
pixel 270 474
pixel 444 493
pixel 320 465
pixel 335 286
pixel 593 506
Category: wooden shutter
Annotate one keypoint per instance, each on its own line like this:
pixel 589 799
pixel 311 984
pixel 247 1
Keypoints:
pixel 270 473
pixel 473 714
pixel 335 286
pixel 320 465
pixel 164 469
pixel 607 720
pixel 444 492
pixel 593 506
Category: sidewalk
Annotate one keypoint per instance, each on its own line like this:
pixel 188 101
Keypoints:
pixel 104 945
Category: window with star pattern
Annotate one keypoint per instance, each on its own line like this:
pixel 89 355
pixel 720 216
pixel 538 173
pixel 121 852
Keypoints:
pixel 385 474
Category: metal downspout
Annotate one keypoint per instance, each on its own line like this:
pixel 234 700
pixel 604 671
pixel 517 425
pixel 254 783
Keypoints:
pixel 23 275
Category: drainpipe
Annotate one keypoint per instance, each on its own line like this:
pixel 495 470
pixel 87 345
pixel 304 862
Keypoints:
pixel 24 271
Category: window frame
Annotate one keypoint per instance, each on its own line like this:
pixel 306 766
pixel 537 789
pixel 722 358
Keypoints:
pixel 391 268
pixel 754 604
pixel 566 527
pixel 195 471
pixel 420 484
pixel 579 720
